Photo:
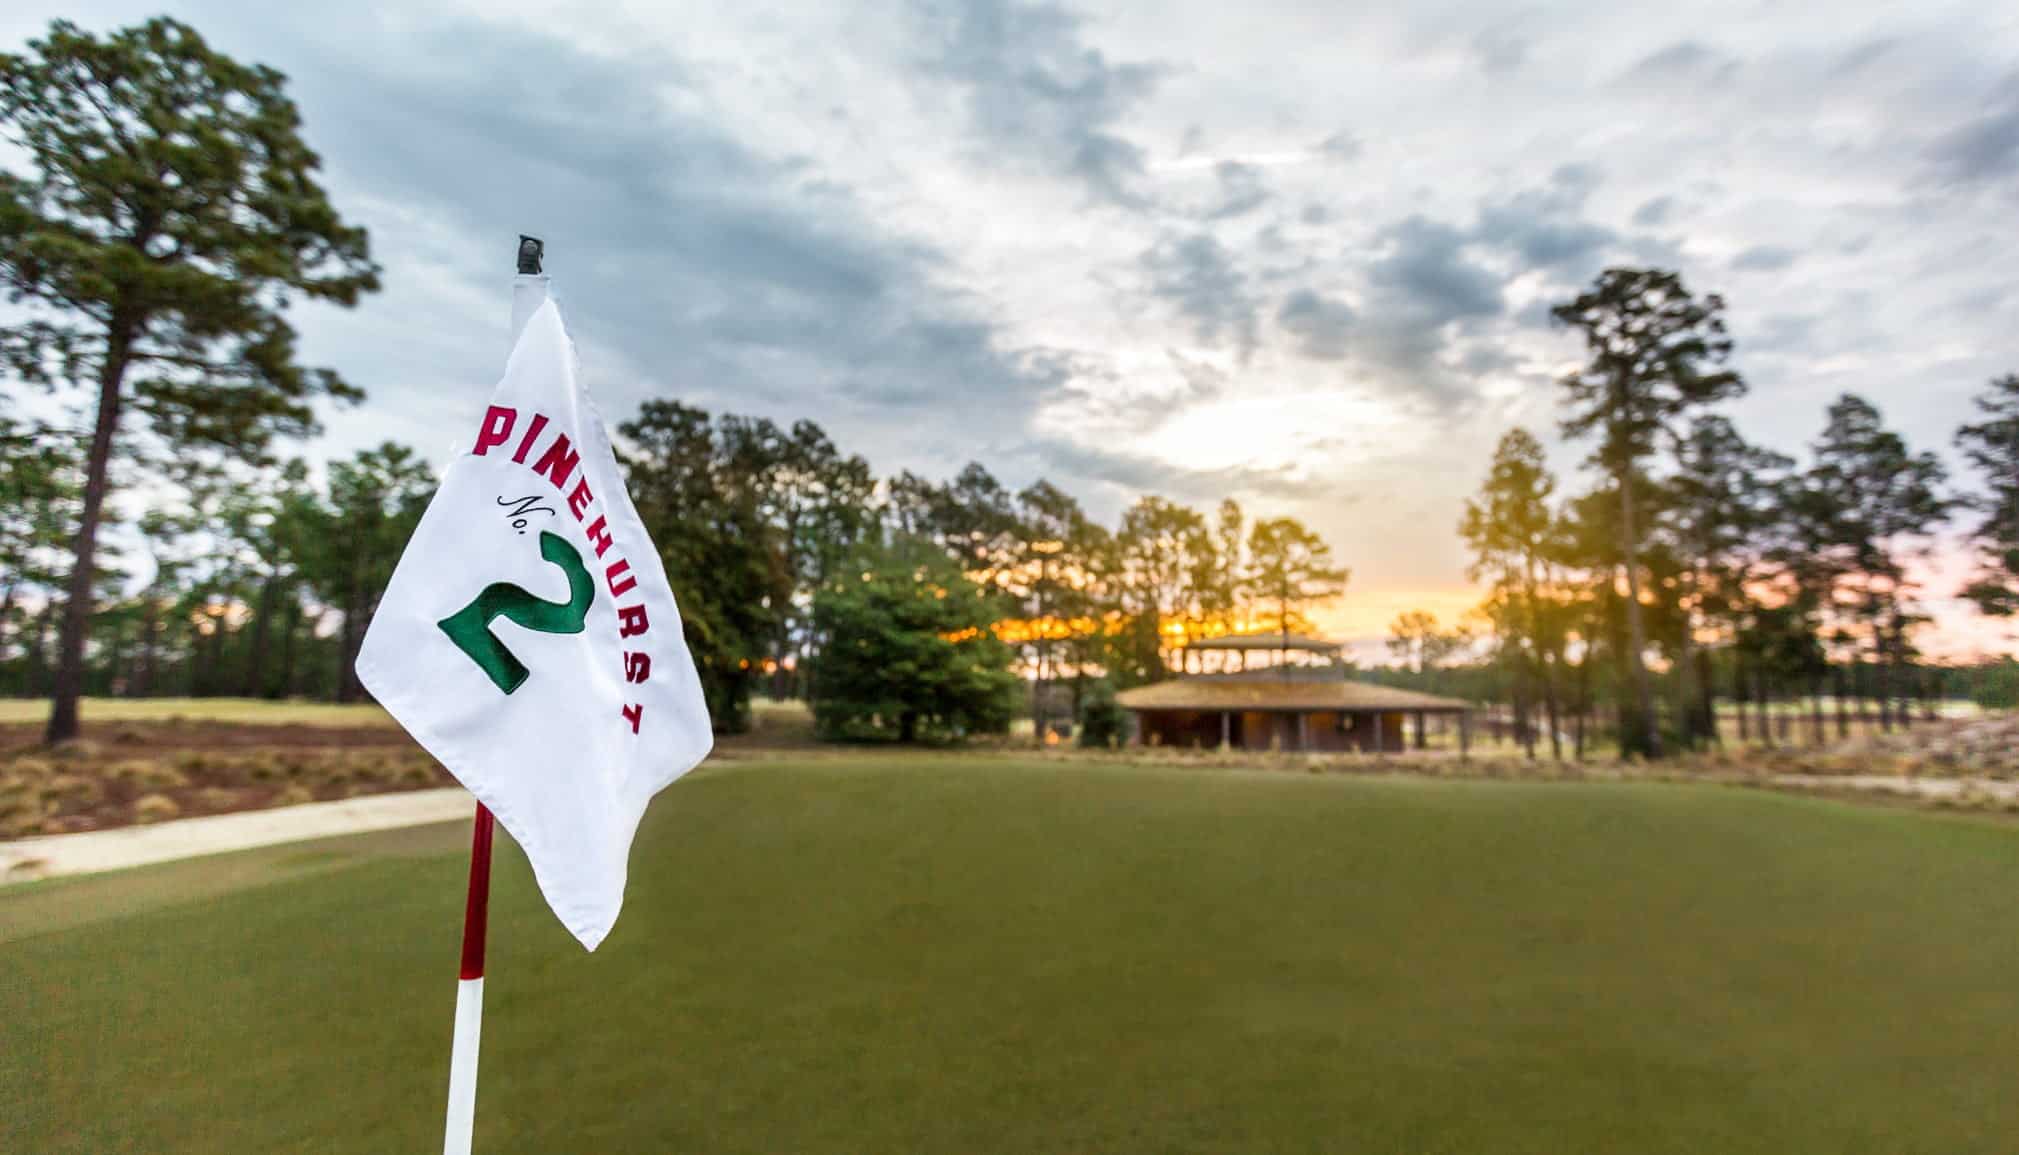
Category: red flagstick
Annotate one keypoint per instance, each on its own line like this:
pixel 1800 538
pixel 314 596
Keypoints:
pixel 470 993
pixel 477 909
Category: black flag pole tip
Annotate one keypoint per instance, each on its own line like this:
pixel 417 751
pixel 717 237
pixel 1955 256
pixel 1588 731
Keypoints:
pixel 531 251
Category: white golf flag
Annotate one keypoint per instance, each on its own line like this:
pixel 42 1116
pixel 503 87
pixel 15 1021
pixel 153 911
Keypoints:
pixel 529 639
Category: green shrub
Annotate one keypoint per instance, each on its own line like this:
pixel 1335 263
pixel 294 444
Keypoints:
pixel 1102 722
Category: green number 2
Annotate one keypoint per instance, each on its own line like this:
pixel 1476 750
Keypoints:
pixel 470 627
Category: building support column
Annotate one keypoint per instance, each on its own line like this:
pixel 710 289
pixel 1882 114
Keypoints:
pixel 1226 729
pixel 1303 731
pixel 1422 740
pixel 1464 734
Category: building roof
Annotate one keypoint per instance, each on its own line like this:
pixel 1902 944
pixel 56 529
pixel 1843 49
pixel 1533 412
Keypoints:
pixel 1281 695
pixel 1270 641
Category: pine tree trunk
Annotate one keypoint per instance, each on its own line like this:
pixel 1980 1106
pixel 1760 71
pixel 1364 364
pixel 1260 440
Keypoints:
pixel 1688 691
pixel 349 689
pixel 38 650
pixel 150 641
pixel 1583 698
pixel 255 660
pixel 1905 675
pixel 1842 682
pixel 287 644
pixel 1636 628
pixel 69 681
pixel 1760 701
pixel 115 651
pixel 1549 708
pixel 6 616
pixel 1882 667
pixel 1817 729
pixel 1707 706
pixel 1739 696
pixel 213 677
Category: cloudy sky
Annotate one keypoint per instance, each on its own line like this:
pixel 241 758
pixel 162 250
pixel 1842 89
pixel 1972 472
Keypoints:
pixel 1300 254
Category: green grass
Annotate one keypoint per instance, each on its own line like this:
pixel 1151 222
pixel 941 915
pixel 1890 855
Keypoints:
pixel 945 955
pixel 246 711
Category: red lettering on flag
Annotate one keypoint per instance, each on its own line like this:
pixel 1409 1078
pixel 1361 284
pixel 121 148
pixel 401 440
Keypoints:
pixel 498 422
pixel 633 714
pixel 532 434
pixel 599 536
pixel 637 667
pixel 579 499
pixel 631 621
pixel 559 462
pixel 619 589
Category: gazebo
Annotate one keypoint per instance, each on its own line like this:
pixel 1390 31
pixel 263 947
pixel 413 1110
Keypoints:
pixel 1308 707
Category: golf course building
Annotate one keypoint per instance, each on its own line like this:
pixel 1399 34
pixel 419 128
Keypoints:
pixel 1291 693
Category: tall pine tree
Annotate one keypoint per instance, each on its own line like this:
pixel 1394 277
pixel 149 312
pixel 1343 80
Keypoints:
pixel 166 212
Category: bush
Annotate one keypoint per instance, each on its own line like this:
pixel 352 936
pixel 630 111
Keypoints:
pixel 910 654
pixel 146 775
pixel 293 795
pixel 20 810
pixel 155 808
pixel 75 750
pixel 73 789
pixel 420 772
pixel 1103 724
pixel 217 798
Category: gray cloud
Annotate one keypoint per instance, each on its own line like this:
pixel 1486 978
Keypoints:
pixel 690 261
pixel 1155 475
pixel 1241 190
pixel 1685 61
pixel 1319 324
pixel 1499 51
pixel 1544 226
pixel 1987 148
pixel 1036 90
pixel 1764 259
pixel 1655 211
pixel 1341 146
pixel 1198 275
pixel 1427 270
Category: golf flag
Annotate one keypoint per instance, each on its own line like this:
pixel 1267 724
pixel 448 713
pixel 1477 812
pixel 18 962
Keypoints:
pixel 529 639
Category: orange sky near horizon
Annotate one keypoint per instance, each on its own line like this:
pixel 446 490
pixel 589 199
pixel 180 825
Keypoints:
pixel 1957 633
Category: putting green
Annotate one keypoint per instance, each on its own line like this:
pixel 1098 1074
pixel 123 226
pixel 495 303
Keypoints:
pixel 969 955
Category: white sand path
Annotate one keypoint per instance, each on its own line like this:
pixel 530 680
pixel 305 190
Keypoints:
pixel 90 852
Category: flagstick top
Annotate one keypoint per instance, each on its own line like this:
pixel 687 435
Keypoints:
pixel 532 250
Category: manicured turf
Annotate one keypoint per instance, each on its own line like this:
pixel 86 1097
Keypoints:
pixel 973 956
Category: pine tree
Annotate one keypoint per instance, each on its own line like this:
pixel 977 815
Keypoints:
pixel 1655 355
pixel 1513 534
pixel 1992 445
pixel 167 214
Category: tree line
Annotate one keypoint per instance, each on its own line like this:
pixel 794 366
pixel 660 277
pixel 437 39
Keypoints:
pixel 163 212
pixel 1699 566
pixel 164 215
